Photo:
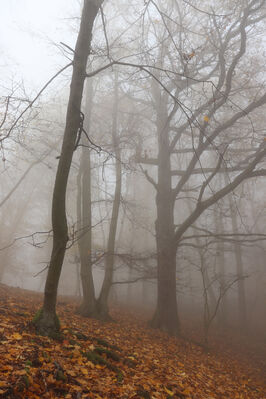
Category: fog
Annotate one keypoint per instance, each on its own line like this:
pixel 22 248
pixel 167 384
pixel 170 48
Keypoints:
pixel 165 199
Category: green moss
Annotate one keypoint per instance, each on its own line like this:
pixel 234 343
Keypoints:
pixel 28 363
pixel 60 376
pixel 37 316
pixel 36 319
pixel 23 383
pixel 106 344
pixel 95 358
pixel 110 354
pixel 102 342
pixel 119 376
pixel 143 393
pixel 56 336
pixel 81 336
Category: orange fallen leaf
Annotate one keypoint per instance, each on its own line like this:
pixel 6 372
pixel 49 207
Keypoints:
pixel 16 336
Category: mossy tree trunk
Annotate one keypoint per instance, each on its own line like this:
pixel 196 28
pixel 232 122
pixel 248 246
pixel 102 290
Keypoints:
pixel 47 322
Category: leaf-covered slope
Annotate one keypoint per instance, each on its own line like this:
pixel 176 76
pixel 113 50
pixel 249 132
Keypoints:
pixel 125 359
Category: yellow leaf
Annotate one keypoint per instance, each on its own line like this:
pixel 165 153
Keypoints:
pixel 90 364
pixel 17 336
pixel 187 391
pixel 84 371
pixel 168 391
pixel 206 118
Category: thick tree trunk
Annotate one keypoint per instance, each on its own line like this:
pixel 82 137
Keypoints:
pixel 166 315
pixel 47 321
pixel 102 303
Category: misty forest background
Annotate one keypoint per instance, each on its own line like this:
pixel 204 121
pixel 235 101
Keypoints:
pixel 165 200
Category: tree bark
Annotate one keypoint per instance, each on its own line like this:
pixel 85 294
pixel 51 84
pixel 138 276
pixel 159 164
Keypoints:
pixel 166 315
pixel 102 303
pixel 84 215
pixel 87 308
pixel 47 321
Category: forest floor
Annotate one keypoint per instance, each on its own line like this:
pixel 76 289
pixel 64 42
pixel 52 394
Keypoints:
pixel 122 359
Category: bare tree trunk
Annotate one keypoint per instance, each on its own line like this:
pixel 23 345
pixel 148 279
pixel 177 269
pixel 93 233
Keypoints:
pixel 87 308
pixel 208 291
pixel 47 320
pixel 219 228
pixel 166 315
pixel 242 303
pixel 84 214
pixel 102 302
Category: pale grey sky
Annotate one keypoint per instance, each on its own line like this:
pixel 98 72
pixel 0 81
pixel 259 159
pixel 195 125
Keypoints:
pixel 27 28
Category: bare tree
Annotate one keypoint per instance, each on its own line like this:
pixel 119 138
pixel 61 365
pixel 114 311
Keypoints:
pixel 189 129
pixel 102 303
pixel 47 320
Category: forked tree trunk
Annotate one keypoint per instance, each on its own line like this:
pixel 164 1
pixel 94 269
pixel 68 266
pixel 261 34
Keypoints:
pixel 47 321
pixel 102 303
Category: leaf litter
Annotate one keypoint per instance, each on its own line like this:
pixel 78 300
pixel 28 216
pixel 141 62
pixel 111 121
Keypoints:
pixel 122 359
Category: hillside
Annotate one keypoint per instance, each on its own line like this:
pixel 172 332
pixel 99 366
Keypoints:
pixel 122 359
